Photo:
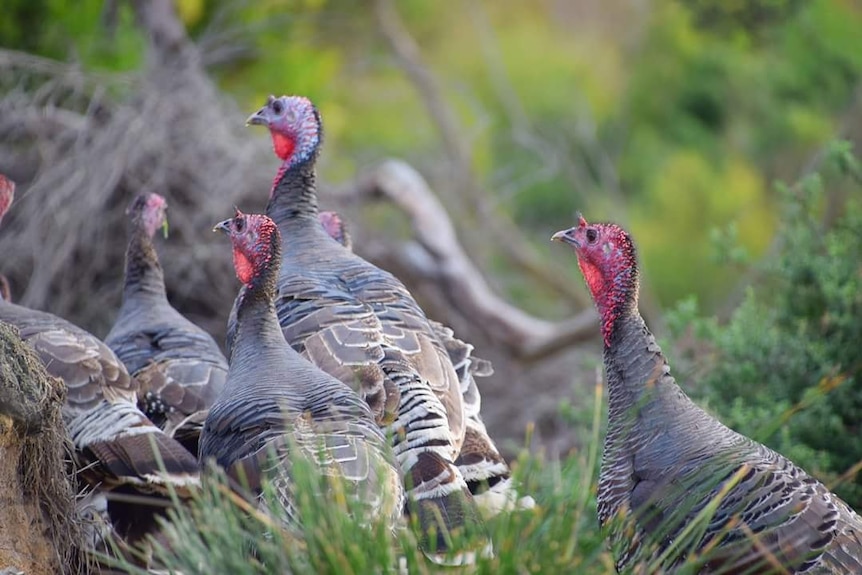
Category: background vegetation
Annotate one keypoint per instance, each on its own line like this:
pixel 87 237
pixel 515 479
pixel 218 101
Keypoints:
pixel 676 119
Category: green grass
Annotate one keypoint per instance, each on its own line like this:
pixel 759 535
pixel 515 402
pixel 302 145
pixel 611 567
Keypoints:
pixel 221 533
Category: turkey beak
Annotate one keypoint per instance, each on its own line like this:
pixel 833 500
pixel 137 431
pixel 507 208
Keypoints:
pixel 567 237
pixel 222 227
pixel 259 118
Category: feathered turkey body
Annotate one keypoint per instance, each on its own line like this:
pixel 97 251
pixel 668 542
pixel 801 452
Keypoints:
pixel 275 400
pixel 113 439
pixel 486 472
pixel 178 365
pixel 361 325
pixel 665 460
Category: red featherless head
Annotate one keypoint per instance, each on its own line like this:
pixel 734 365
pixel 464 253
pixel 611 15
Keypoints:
pixel 149 211
pixel 255 240
pixel 607 258
pixel 294 124
pixel 7 194
pixel 335 227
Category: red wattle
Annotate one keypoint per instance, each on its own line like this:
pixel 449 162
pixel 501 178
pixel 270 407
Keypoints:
pixel 243 267
pixel 283 145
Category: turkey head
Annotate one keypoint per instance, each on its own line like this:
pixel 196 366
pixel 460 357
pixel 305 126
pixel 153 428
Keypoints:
pixel 294 124
pixel 607 258
pixel 149 212
pixel 255 241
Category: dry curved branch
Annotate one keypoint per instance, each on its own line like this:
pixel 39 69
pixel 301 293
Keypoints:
pixel 439 257
pixel 408 56
pixel 56 69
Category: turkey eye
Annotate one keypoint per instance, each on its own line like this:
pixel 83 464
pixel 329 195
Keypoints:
pixel 592 235
pixel 240 224
pixel 277 107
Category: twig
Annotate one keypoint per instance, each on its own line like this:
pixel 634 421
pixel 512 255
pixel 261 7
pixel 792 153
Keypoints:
pixel 494 223
pixel 54 68
pixel 166 32
pixel 444 262
pixel 409 57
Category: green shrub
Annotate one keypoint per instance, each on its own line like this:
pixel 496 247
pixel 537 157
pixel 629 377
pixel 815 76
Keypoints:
pixel 786 368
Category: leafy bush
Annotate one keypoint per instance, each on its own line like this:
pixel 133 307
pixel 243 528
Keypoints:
pixel 787 367
pixel 716 110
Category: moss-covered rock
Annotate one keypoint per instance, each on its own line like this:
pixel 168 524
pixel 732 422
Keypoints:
pixel 39 529
pixel 24 394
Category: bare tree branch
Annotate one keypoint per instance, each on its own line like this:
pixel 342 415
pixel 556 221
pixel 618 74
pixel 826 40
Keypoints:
pixel 34 63
pixel 495 223
pixel 443 261
pixel 167 34
pixel 409 57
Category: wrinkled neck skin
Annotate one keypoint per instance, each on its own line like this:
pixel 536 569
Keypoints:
pixel 637 371
pixel 293 207
pixel 293 199
pixel 144 274
pixel 634 364
pixel 615 291
pixel 257 323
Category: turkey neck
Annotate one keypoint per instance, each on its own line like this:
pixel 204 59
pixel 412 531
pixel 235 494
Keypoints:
pixel 639 381
pixel 257 323
pixel 143 270
pixel 293 200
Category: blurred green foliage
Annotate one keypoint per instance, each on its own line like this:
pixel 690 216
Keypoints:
pixel 673 120
pixel 100 35
pixel 787 368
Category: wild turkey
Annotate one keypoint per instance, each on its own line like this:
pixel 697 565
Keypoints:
pixel 178 365
pixel 665 460
pixel 486 472
pixel 277 402
pixel 361 325
pixel 336 228
pixel 113 440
